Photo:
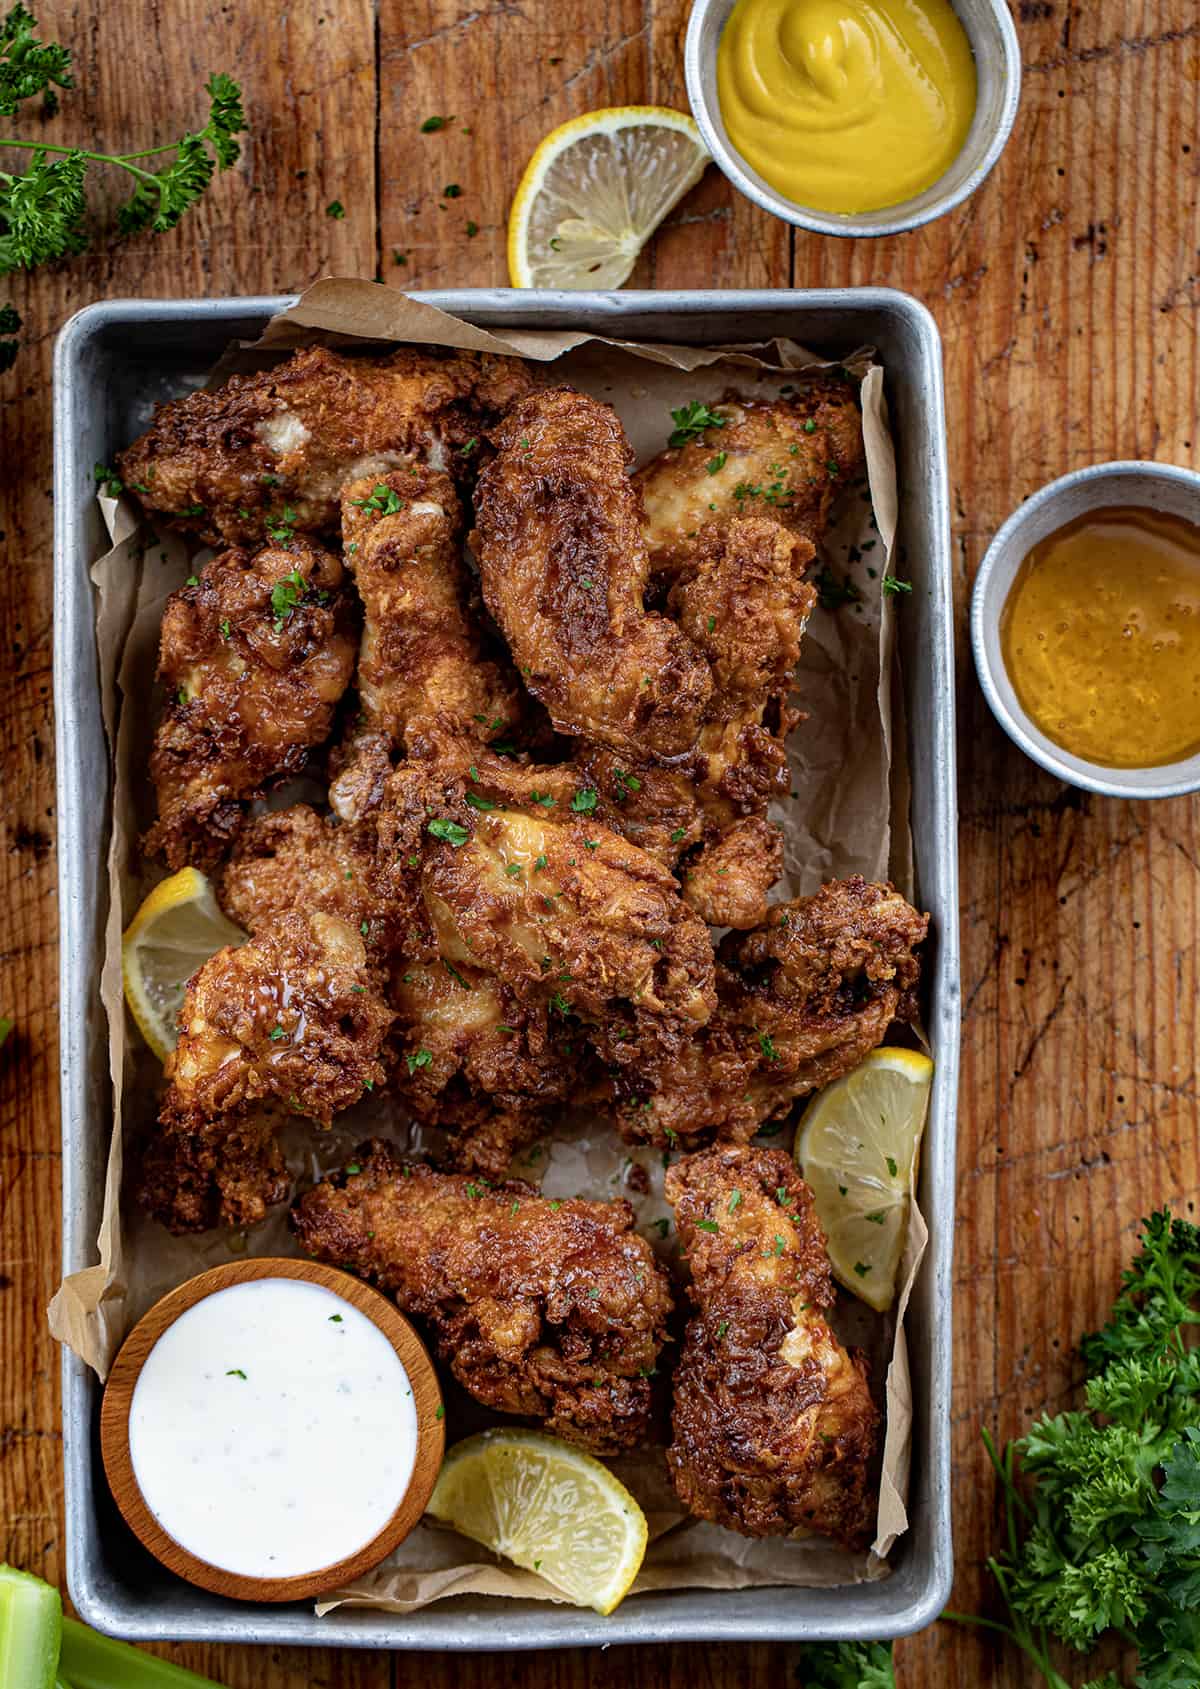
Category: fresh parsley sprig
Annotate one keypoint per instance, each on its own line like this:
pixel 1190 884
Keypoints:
pixel 847 1665
pixel 1102 1505
pixel 42 209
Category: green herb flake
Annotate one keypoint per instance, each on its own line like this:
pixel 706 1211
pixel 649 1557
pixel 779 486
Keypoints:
pixel 336 210
pixel 584 801
pixel 452 832
pixel 691 421
pixel 431 124
pixel 422 1058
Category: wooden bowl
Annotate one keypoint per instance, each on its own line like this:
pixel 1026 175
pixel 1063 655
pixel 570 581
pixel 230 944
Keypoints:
pixel 118 1459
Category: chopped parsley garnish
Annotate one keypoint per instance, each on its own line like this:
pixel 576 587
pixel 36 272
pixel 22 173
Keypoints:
pixel 541 797
pixel 432 123
pixel 382 499
pixel 716 463
pixel 336 210
pixel 281 528
pixel 735 1201
pixel 235 1372
pixel 707 1226
pixel 664 1227
pixel 584 801
pixel 691 420
pixel 780 1246
pixel 276 1034
pixel 472 230
pixel 107 480
pixel 677 834
pixel 893 584
pixel 891 1165
pixel 452 191
pixel 452 832
pixel 861 1269
pixel 767 1045
pixel 514 870
pixel 540 863
pixel 286 595
pixel 476 802
pixel 455 975
pixel 422 1058
pixel 439 1412
pixel 626 783
pixel 722 1329
pixel 335 1319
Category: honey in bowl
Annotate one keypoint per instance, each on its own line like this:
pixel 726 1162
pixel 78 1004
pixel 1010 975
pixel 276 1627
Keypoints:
pixel 1100 635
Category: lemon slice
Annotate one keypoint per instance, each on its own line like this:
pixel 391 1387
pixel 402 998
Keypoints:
pixel 857 1147
pixel 178 927
pixel 595 191
pixel 548 1507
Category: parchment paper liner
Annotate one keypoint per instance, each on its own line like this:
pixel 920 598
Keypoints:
pixel 848 815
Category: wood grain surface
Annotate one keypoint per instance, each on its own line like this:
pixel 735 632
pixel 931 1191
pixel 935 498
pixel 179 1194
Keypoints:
pixel 1067 291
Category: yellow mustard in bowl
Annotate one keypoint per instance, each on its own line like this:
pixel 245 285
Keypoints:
pixel 846 105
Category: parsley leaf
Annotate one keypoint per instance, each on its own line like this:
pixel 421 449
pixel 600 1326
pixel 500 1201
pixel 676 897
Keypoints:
pixel 452 832
pixel 584 801
pixel 286 595
pixel 691 420
pixel 382 499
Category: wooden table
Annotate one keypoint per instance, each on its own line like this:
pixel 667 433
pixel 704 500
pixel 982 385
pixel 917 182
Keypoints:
pixel 1067 292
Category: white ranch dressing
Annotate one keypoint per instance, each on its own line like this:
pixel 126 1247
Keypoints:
pixel 296 1464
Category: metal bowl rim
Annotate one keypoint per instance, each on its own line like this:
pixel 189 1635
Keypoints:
pixel 1076 771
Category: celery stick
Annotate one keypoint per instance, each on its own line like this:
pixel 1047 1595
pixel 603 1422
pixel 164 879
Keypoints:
pixel 92 1661
pixel 30 1631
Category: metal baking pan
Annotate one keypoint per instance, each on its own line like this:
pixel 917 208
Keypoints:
pixel 112 360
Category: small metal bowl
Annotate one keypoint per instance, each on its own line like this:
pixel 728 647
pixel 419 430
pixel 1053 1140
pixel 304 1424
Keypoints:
pixel 993 39
pixel 1153 486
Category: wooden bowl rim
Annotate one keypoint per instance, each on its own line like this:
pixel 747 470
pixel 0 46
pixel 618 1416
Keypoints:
pixel 118 1400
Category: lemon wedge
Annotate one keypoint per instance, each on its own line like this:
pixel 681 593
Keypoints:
pixel 548 1507
pixel 178 927
pixel 857 1147
pixel 595 191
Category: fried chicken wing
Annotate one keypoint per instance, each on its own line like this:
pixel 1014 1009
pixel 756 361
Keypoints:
pixel 564 567
pixel 289 1022
pixel 294 860
pixel 279 446
pixel 800 1001
pixel 255 656
pixel 194 1173
pixel 479 1062
pixel 784 458
pixel 743 601
pixel 422 648
pixel 514 877
pixel 555 1311
pixel 291 1015
pixel 775 1431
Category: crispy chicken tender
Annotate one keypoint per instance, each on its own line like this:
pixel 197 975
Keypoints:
pixel 281 445
pixel 555 1311
pixel 801 1000
pixel 478 1062
pixel 291 1015
pixel 783 458
pixel 775 1431
pixel 564 567
pixel 254 657
pixel 289 1022
pixel 422 647
pixel 509 875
